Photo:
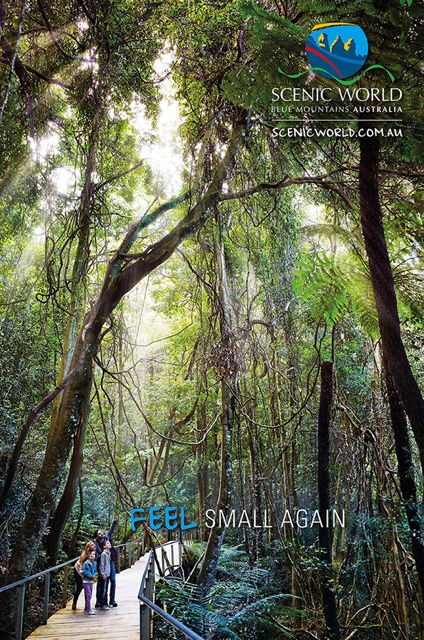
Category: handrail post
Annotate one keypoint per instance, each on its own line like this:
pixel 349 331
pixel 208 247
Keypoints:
pixel 46 598
pixel 144 622
pixel 145 613
pixel 65 586
pixel 20 612
pixel 150 594
pixel 148 608
pixel 172 555
pixel 118 560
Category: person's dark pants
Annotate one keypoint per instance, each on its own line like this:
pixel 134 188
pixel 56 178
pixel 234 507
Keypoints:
pixel 112 581
pixel 104 584
pixel 99 585
pixel 78 585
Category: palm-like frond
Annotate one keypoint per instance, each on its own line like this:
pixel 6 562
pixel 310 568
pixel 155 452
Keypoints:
pixel 333 282
pixel 237 603
pixel 348 237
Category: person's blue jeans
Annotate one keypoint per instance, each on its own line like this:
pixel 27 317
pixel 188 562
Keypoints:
pixel 99 585
pixel 104 584
pixel 112 581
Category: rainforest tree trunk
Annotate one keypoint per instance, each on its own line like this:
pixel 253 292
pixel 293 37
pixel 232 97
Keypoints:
pixel 79 272
pixel 228 367
pixel 64 507
pixel 72 416
pixel 201 468
pixel 384 291
pixel 217 533
pixel 326 577
pixel 406 475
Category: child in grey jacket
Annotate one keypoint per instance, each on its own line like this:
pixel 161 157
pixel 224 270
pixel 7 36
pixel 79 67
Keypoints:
pixel 104 570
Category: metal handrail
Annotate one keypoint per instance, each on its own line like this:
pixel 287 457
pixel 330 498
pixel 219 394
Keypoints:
pixel 17 583
pixel 150 568
pixel 22 583
pixel 147 605
pixel 179 626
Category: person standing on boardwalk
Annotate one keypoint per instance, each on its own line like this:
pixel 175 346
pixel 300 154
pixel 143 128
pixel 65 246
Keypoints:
pixel 99 538
pixel 104 574
pixel 89 573
pixel 89 547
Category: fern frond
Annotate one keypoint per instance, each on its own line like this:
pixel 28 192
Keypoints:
pixel 333 231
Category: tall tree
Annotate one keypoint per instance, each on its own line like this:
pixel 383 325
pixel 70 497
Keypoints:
pixel 327 579
pixel 406 474
pixel 394 352
pixel 228 371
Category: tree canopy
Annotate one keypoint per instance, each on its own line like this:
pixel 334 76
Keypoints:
pixel 196 311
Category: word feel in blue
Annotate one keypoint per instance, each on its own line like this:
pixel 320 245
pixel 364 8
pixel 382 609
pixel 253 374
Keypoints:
pixel 157 518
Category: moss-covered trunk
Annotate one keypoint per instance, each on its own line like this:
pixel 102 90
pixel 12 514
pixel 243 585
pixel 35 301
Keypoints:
pixel 71 417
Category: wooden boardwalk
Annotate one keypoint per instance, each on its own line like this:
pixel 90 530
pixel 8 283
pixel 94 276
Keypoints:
pixel 121 623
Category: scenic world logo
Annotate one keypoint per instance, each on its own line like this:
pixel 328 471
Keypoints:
pixel 337 49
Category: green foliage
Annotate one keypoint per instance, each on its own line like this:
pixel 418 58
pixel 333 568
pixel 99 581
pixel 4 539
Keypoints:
pixel 335 282
pixel 239 605
pixel 154 434
pixel 333 285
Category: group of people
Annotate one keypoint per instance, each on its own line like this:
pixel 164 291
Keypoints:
pixel 97 562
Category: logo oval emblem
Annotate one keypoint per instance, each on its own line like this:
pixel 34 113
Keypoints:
pixel 337 49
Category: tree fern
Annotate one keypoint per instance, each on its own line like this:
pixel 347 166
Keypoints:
pixel 238 606
pixel 332 283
